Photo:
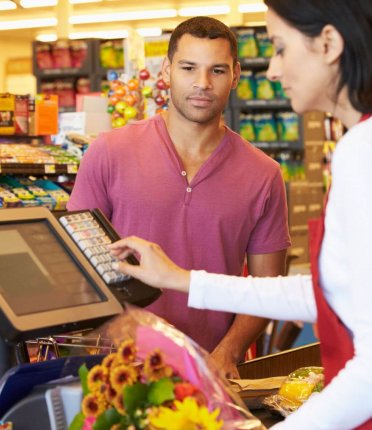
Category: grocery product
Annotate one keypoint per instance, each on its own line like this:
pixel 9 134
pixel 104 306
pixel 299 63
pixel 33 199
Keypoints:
pixel 296 389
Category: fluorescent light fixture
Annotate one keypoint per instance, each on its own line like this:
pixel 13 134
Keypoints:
pixel 46 37
pixel 28 23
pixel 149 32
pixel 38 3
pixel 110 34
pixel 84 1
pixel 123 16
pixel 7 5
pixel 252 7
pixel 204 10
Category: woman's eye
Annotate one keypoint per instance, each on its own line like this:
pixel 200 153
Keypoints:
pixel 279 51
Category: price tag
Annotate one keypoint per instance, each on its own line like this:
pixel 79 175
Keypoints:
pixel 50 168
pixel 72 168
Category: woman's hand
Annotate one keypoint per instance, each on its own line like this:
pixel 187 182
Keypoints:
pixel 155 268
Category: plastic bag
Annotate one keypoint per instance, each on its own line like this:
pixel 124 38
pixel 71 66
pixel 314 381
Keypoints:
pixel 174 385
pixel 295 390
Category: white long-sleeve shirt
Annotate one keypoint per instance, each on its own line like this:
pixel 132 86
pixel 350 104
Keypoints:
pixel 346 278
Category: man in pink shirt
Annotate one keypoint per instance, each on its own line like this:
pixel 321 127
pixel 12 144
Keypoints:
pixel 184 180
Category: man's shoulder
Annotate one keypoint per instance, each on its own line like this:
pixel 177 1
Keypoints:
pixel 132 132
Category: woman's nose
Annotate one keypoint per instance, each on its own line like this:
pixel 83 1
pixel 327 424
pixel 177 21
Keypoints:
pixel 273 73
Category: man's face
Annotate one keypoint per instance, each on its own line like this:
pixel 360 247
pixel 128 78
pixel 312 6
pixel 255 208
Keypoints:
pixel 201 76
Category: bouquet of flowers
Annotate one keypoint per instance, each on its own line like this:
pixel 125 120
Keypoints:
pixel 157 379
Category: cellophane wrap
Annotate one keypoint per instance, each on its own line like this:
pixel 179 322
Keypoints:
pixel 187 358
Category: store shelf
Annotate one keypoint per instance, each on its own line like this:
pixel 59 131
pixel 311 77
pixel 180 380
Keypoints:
pixel 37 169
pixel 260 104
pixel 62 73
pixel 294 145
pixel 253 63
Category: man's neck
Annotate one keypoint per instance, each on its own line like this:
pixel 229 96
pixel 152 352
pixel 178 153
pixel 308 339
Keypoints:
pixel 193 142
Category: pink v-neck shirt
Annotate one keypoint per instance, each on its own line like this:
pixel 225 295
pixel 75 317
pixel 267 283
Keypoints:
pixel 234 205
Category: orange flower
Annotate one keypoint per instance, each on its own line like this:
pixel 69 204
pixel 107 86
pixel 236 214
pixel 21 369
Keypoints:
pixel 127 352
pixel 110 394
pixel 118 403
pixel 155 368
pixel 121 376
pixel 92 406
pixel 109 361
pixel 97 376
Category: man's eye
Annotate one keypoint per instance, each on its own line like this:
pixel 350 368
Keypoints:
pixel 218 71
pixel 188 68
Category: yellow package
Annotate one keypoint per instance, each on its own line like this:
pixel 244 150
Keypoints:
pixel 7 107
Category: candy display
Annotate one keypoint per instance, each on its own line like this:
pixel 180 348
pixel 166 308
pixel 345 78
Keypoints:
pixel 111 54
pixel 24 192
pixel 130 99
pixel 295 390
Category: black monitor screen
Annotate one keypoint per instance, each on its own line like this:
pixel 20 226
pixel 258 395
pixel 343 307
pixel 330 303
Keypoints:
pixel 36 271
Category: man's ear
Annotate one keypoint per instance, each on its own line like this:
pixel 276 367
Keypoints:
pixel 332 44
pixel 165 70
pixel 236 75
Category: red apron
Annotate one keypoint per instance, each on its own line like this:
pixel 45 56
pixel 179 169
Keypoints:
pixel 336 344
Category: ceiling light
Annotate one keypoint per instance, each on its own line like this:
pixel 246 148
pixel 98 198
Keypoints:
pixel 7 5
pixel 111 34
pixel 149 32
pixel 46 37
pixel 84 1
pixel 28 23
pixel 252 8
pixel 38 3
pixel 123 16
pixel 204 10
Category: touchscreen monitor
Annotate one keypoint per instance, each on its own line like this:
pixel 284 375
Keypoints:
pixel 46 285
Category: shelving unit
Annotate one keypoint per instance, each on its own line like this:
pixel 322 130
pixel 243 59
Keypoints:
pixel 91 69
pixel 238 106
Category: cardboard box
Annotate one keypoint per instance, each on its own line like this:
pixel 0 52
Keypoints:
pixel 314 128
pixel 316 197
pixel 297 198
pixel 314 161
pixel 300 246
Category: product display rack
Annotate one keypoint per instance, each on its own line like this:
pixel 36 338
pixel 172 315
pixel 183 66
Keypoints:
pixel 238 106
pixel 91 69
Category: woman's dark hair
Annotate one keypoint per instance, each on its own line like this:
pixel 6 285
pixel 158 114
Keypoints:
pixel 203 27
pixel 353 20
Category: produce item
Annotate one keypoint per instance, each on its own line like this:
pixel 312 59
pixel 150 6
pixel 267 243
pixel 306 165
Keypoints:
pixel 295 390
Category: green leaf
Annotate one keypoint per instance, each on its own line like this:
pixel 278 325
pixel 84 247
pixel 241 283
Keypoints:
pixel 135 396
pixel 161 391
pixel 106 420
pixel 83 375
pixel 78 422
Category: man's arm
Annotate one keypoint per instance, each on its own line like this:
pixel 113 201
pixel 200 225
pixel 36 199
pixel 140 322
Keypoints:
pixel 245 329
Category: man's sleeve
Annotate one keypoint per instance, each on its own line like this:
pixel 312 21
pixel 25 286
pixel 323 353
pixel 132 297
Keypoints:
pixel 271 232
pixel 92 180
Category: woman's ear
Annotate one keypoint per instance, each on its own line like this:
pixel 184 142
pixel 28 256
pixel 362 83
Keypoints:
pixel 332 44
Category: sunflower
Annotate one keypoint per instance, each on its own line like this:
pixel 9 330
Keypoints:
pixel 186 415
pixel 109 361
pixel 110 393
pixel 92 406
pixel 127 352
pixel 97 376
pixel 121 376
pixel 118 403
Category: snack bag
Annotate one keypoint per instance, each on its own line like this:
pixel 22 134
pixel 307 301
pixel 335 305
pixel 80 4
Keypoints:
pixel 246 127
pixel 247 44
pixel 246 86
pixel 295 390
